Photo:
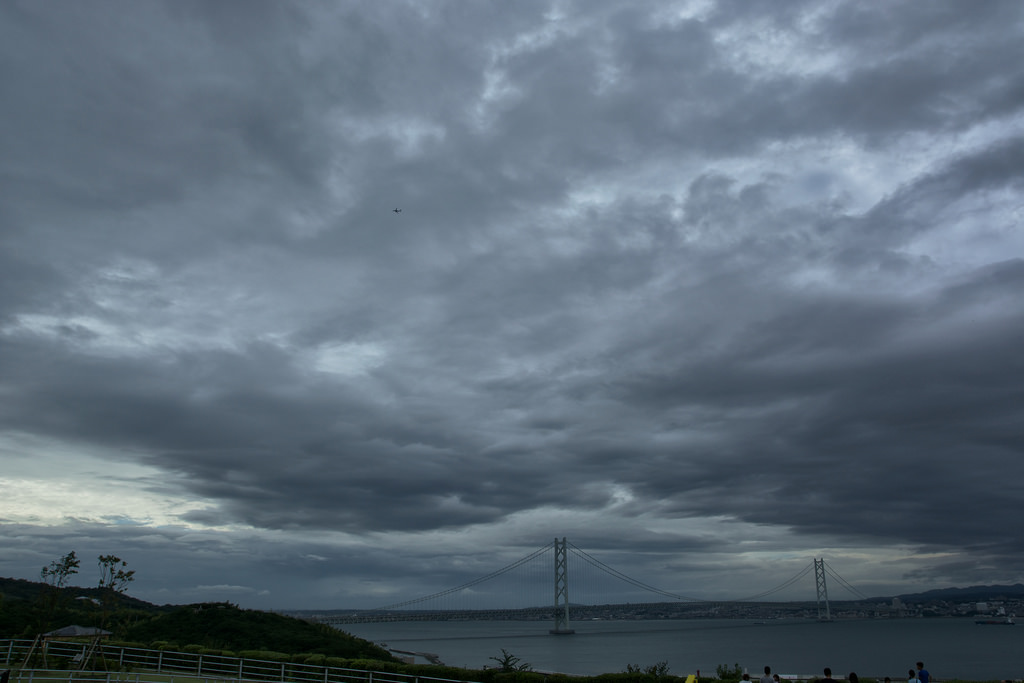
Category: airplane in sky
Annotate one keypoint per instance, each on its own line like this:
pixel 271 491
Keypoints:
pixel 397 210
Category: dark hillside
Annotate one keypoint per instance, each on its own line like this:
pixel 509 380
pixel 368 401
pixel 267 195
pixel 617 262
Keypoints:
pixel 218 626
pixel 969 594
pixel 28 608
pixel 222 626
pixel 21 589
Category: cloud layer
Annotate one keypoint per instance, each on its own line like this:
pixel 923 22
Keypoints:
pixel 709 289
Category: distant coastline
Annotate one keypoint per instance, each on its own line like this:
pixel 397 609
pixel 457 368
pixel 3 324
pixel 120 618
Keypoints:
pixel 972 602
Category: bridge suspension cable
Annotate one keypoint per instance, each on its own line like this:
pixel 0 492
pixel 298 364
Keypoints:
pixel 611 571
pixel 778 588
pixel 628 579
pixel 469 584
pixel 640 584
pixel 843 582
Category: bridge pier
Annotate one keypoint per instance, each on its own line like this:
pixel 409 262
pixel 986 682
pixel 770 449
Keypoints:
pixel 561 589
pixel 819 581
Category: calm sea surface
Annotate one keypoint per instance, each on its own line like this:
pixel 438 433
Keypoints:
pixel 950 648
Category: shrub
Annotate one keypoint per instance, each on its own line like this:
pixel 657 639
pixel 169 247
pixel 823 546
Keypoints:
pixel 657 670
pixel 509 662
pixel 266 655
pixel 518 677
pixel 338 662
pixel 164 645
pixel 636 674
pixel 733 673
pixel 126 643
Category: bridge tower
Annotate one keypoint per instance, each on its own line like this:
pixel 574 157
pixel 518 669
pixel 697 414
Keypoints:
pixel 561 589
pixel 819 580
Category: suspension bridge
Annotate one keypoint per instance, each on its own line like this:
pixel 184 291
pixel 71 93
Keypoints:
pixel 537 587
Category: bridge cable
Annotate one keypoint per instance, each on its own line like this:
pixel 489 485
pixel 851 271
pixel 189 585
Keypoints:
pixel 469 584
pixel 619 575
pixel 786 584
pixel 844 583
pixel 639 584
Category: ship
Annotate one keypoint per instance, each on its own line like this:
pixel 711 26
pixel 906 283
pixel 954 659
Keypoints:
pixel 1006 621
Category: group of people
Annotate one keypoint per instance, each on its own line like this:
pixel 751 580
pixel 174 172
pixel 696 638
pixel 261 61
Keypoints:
pixel 919 675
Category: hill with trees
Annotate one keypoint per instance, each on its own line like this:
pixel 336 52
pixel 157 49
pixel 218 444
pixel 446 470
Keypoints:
pixel 29 608
pixel 223 626
pixel 968 594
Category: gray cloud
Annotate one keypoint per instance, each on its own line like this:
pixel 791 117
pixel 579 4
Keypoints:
pixel 674 286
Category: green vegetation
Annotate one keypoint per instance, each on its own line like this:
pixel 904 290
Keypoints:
pixel 509 662
pixel 222 626
pixel 727 673
pixel 658 670
pixel 114 580
pixel 56 576
pixel 28 608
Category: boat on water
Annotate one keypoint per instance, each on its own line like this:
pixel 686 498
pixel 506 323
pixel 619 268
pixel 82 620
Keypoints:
pixel 1006 621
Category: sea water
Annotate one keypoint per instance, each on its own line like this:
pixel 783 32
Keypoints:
pixel 951 648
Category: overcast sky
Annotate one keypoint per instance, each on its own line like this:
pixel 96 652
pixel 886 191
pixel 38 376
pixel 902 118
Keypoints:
pixel 709 288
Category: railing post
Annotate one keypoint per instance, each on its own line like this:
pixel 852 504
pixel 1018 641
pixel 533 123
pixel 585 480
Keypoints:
pixel 241 662
pixel 199 670
pixel 160 662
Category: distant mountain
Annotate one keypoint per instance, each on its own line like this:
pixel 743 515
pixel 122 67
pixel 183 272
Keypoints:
pixel 969 594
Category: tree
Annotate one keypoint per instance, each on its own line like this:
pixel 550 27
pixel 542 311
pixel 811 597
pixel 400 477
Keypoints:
pixel 112 574
pixel 56 576
pixel 658 670
pixel 114 580
pixel 726 673
pixel 509 662
pixel 59 571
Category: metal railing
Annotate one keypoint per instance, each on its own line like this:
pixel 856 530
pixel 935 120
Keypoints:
pixel 50 676
pixel 134 664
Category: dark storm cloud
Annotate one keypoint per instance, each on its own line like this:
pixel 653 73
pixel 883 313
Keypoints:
pixel 648 267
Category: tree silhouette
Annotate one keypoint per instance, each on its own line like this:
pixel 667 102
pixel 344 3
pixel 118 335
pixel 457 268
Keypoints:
pixel 114 580
pixel 509 662
pixel 56 576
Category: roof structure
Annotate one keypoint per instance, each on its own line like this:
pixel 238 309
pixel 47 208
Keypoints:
pixel 75 631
